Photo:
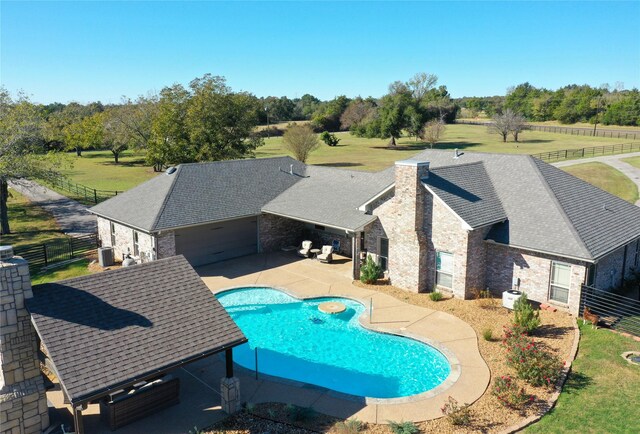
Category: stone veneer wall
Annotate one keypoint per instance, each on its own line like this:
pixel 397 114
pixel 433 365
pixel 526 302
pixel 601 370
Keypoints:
pixel 124 239
pixel 23 403
pixel 534 271
pixel 166 244
pixel 276 232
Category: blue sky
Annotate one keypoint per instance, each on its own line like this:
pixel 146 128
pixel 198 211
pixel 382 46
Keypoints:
pixel 85 51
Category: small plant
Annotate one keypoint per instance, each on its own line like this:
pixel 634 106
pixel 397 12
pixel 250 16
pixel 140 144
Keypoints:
pixel 351 426
pixel 271 413
pixel 533 364
pixel 509 394
pixel 525 316
pixel 456 413
pixel 487 334
pixel 250 407
pixel 403 427
pixel 194 431
pixel 370 271
pixel 329 139
pixel 435 296
pixel 299 414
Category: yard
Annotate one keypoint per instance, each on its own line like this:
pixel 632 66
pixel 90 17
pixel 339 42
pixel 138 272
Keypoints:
pixel 607 178
pixel 634 161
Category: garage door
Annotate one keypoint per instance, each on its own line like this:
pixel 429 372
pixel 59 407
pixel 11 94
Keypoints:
pixel 218 241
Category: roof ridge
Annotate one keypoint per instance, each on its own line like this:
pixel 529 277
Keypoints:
pixel 470 163
pixel 237 160
pixel 166 198
pixel 534 163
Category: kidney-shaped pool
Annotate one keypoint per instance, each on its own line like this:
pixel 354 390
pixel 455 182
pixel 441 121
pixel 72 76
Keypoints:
pixel 297 341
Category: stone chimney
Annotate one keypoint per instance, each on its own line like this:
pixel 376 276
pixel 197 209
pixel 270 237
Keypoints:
pixel 408 245
pixel 23 403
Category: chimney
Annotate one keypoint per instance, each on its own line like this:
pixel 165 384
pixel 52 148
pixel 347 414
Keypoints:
pixel 408 248
pixel 23 403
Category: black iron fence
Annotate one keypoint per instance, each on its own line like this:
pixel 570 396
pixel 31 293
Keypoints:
pixel 594 151
pixel 574 131
pixel 616 311
pixel 63 249
pixel 80 192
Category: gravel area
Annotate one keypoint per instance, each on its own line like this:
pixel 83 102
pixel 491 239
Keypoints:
pixel 488 414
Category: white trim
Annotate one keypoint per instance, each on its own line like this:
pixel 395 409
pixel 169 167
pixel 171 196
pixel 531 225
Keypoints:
pixel 412 163
pixel 568 287
pixel 386 190
pixel 453 269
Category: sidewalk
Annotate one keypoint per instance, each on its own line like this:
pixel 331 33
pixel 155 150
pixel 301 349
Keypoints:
pixel 633 173
pixel 72 217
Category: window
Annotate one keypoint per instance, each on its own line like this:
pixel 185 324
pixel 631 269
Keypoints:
pixel 591 274
pixel 560 282
pixel 383 253
pixel 136 246
pixel 444 269
pixel 637 262
pixel 113 234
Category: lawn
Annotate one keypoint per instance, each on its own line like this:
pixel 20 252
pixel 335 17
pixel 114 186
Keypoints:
pixel 607 178
pixel 67 271
pixel 634 161
pixel 29 223
pixel 601 393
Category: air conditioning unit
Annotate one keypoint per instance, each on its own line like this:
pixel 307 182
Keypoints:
pixel 509 298
pixel 105 256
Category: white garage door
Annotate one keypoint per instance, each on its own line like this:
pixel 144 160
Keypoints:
pixel 218 241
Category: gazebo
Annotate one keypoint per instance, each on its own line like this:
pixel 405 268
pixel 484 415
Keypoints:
pixel 114 333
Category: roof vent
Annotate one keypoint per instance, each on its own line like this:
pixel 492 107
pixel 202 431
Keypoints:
pixel 456 154
pixel 291 169
pixel 6 252
pixel 170 170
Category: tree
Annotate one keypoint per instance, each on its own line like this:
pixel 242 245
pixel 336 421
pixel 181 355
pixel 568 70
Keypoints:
pixel 508 122
pixel 136 118
pixel 22 147
pixel 300 140
pixel 520 99
pixel 625 110
pixel 329 139
pixel 84 133
pixel 517 125
pixel 116 138
pixel 357 112
pixel 327 116
pixel 432 131
pixel 420 84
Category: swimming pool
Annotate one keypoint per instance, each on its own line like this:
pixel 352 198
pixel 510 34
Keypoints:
pixel 298 342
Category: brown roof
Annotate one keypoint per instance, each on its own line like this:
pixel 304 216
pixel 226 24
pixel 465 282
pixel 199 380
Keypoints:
pixel 110 329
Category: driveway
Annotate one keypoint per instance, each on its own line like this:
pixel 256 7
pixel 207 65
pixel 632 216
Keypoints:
pixel 615 161
pixel 72 217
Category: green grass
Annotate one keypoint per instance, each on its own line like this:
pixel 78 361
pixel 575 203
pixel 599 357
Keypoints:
pixel 634 161
pixel 29 223
pixel 607 178
pixel 72 269
pixel 601 393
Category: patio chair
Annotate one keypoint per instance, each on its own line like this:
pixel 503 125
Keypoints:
pixel 305 251
pixel 326 254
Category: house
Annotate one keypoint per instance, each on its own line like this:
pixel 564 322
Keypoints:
pixel 459 222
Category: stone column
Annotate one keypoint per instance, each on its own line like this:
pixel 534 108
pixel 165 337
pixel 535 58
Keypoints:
pixel 408 241
pixel 23 403
pixel 230 394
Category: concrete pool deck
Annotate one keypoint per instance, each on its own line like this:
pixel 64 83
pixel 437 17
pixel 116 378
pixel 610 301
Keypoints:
pixel 308 278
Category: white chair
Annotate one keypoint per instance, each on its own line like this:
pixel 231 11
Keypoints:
pixel 326 254
pixel 305 251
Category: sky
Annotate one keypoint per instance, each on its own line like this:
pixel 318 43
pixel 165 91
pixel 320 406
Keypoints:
pixel 91 50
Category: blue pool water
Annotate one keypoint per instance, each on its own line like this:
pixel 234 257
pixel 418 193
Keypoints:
pixel 297 341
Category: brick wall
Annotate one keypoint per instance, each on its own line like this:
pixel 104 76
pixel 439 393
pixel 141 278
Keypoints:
pixel 276 232
pixel 166 244
pixel 124 239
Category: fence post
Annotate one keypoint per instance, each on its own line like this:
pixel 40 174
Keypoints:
pixel 44 250
pixel 71 247
pixel 95 196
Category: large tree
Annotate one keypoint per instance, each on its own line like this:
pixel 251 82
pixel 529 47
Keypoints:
pixel 507 123
pixel 22 147
pixel 300 140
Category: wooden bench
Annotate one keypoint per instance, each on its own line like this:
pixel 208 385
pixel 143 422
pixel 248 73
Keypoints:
pixel 126 408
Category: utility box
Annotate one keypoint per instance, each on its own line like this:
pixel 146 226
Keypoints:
pixel 509 298
pixel 105 256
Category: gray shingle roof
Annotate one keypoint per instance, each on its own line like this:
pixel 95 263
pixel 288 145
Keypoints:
pixel 468 191
pixel 107 329
pixel 549 210
pixel 331 196
pixel 202 192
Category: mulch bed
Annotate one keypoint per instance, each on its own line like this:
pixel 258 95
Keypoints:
pixel 556 333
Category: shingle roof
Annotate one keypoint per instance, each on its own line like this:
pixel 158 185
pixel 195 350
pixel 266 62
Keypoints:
pixel 331 196
pixel 549 210
pixel 468 191
pixel 107 329
pixel 202 192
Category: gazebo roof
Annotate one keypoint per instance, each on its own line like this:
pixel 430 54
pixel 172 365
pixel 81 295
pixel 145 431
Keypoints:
pixel 109 330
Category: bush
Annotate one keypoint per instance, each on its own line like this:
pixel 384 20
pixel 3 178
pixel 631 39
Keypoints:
pixel 509 394
pixel 533 364
pixel 299 414
pixel 351 426
pixel 403 427
pixel 487 334
pixel 370 271
pixel 525 316
pixel 435 296
pixel 329 139
pixel 457 414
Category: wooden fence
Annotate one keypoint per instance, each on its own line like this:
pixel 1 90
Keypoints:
pixel 616 311
pixel 63 249
pixel 594 151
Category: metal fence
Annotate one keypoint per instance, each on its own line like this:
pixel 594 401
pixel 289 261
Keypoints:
pixel 574 131
pixel 616 311
pixel 594 151
pixel 63 249
pixel 81 192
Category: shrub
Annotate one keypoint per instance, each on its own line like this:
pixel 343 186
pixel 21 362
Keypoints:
pixel 403 427
pixel 525 316
pixel 435 296
pixel 370 271
pixel 250 407
pixel 329 139
pixel 509 394
pixel 487 334
pixel 351 426
pixel 457 414
pixel 299 414
pixel 533 364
